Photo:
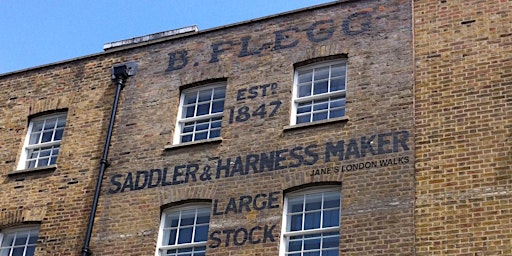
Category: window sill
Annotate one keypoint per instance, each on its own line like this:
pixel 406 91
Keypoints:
pixel 343 119
pixel 48 168
pixel 193 143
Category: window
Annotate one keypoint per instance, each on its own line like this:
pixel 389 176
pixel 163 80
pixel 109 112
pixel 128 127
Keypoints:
pixel 18 242
pixel 311 223
pixel 184 231
pixel 43 140
pixel 200 114
pixel 319 92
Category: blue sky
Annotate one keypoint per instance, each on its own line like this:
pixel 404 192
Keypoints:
pixel 36 32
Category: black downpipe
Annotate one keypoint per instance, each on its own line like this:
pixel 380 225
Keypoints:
pixel 119 74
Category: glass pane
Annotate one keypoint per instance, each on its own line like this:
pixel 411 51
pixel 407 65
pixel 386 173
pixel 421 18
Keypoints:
pixel 305 76
pixel 312 220
pixel 34 138
pixel 188 217
pixel 219 93
pixel 38 126
pixel 331 200
pixel 42 162
pixel 320 116
pixel 58 135
pixel 33 154
pixel 18 251
pixel 205 95
pixel 203 217
pixel 202 126
pixel 333 252
pixel 331 242
pixel 311 254
pixel 217 106
pixel 337 84
pixel 172 220
pixel 171 237
pixel 201 136
pixel 30 251
pixel 189 111
pixel 187 129
pixel 295 246
pixel 50 123
pixel 320 106
pixel 5 252
pixel 337 113
pixel 296 222
pixel 337 70
pixel 304 90
pixel 186 138
pixel 61 122
pixel 304 109
pixel 303 119
pixel 45 152
pixel 190 98
pixel 321 73
pixel 216 123
pixel 296 205
pixel 21 238
pixel 8 239
pixel 214 134
pixel 337 102
pixel 201 234
pixel 203 109
pixel 31 164
pixel 321 87
pixel 53 160
pixel 47 136
pixel 310 244
pixel 185 235
pixel 331 218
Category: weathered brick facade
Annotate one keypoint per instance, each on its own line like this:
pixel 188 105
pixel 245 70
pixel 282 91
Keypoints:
pixel 463 127
pixel 421 157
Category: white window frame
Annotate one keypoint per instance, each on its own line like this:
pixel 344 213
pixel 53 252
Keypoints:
pixel 199 208
pixel 285 227
pixel 181 120
pixel 296 100
pixel 5 233
pixel 54 144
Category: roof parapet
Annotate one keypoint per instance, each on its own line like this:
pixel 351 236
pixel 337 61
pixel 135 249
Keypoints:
pixel 150 37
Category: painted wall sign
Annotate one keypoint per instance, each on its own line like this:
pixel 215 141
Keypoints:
pixel 254 163
pixel 241 236
pixel 316 32
pixel 360 166
pixel 247 203
pixel 245 113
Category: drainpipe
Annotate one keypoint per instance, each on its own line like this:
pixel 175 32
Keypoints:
pixel 120 73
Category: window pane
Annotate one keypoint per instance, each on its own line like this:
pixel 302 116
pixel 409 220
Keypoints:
pixel 331 242
pixel 217 106
pixel 214 134
pixel 8 239
pixel 185 235
pixel 187 218
pixel 21 238
pixel 296 222
pixel 330 252
pixel 337 70
pixel 303 119
pixel 312 220
pixel 189 111
pixel 171 237
pixel 304 90
pixel 5 252
pixel 216 123
pixel 42 162
pixel 45 152
pixel 61 122
pixel 320 106
pixel 295 246
pixel 203 109
pixel 310 244
pixel 172 220
pixel 201 234
pixel 305 76
pixel 336 113
pixel 205 95
pixel 31 164
pixel 58 135
pixel 37 126
pixel 30 251
pixel 304 109
pixel 331 200
pixel 18 251
pixel 190 98
pixel 321 87
pixel 312 254
pixel 186 138
pixel 34 138
pixel 295 205
pixel 337 84
pixel 319 116
pixel 219 93
pixel 331 218
pixel 50 123
pixel 47 136
pixel 202 126
pixel 321 73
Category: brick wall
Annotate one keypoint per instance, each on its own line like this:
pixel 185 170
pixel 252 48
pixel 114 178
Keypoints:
pixel 463 127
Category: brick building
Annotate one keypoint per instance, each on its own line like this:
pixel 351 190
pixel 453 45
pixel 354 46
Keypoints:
pixel 328 129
